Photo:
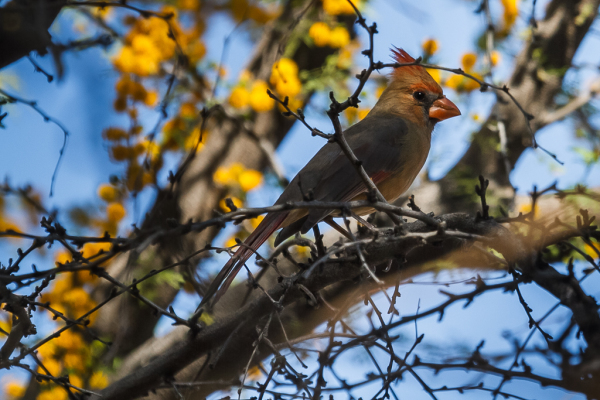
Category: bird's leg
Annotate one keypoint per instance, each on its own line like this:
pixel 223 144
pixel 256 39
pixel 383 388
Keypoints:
pixel 329 221
pixel 363 222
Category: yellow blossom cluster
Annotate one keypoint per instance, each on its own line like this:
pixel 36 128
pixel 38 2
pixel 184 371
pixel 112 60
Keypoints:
pixel 462 83
pixel 5 321
pixel 237 176
pixel 149 43
pixel 152 41
pixel 67 294
pixel 251 94
pixel 284 78
pixel 188 5
pixel 430 47
pixel 128 89
pixel 238 181
pixel 146 45
pixel 114 197
pixel 322 35
pixel 129 147
pixel 14 390
pixel 337 7
pixel 182 131
pixel 509 16
pixel 67 354
pixel 354 115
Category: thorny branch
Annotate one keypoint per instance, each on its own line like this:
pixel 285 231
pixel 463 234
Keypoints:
pixel 371 252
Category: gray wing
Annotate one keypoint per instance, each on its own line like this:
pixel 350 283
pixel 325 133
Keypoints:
pixel 330 176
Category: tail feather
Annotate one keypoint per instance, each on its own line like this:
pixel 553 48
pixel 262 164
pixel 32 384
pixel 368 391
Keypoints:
pixel 225 277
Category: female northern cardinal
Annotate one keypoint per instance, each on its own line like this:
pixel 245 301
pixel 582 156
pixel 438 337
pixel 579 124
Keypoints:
pixel 392 142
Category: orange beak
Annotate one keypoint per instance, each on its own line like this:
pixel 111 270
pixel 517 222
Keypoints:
pixel 442 109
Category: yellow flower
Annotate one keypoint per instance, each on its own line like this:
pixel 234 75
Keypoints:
pixel 590 251
pixel 430 46
pixel 236 168
pixel 256 221
pixel 189 4
pixel 259 99
pixel 120 153
pixel 249 179
pixel 336 7
pixel 462 83
pixel 74 361
pixel 435 74
pixel 454 82
pixel 339 37
pixel 47 350
pixel 114 134
pixel 196 51
pixel 222 176
pixel 91 249
pixel 115 212
pixel 53 367
pixel 107 192
pixel 511 12
pixel 289 87
pixel 468 61
pixel 125 61
pixel 120 104
pixel 351 114
pixel 69 340
pixel 76 297
pixel 75 380
pixel 236 202
pixel 526 208
pixel 319 32
pixel 239 97
pixel 143 44
pixel 14 390
pixel 495 57
pixel 192 140
pixel 254 373
pixel 124 86
pixel 283 69
pixel 98 380
pixel 151 98
pixel 57 393
pixel 139 92
pixel 362 114
pixel 61 285
pixel 231 242
pixel 63 257
pixel 188 110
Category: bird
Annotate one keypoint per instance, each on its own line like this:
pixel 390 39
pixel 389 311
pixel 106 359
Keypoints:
pixel 392 142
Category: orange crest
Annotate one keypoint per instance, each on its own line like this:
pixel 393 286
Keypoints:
pixel 402 57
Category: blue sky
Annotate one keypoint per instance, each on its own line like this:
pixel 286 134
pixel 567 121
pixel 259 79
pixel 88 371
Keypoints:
pixel 29 147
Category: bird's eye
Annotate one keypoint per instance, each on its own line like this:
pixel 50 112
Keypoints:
pixel 419 95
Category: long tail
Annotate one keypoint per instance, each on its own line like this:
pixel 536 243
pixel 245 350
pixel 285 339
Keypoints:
pixel 223 280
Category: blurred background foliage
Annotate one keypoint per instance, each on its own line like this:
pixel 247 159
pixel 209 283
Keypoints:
pixel 166 75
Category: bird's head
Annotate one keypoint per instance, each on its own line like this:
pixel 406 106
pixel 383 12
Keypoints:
pixel 415 95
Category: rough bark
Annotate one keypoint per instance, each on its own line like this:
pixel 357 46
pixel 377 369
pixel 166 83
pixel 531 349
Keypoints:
pixel 24 28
